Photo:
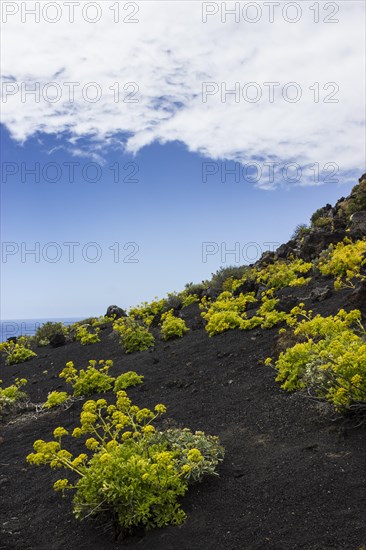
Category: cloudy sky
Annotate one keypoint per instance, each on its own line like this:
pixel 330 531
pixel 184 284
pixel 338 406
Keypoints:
pixel 162 135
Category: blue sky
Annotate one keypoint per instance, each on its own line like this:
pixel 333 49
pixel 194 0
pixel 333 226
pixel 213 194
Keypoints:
pixel 165 143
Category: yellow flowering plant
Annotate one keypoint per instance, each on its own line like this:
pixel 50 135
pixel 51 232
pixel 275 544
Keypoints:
pixel 133 335
pixel 11 394
pixel 331 361
pixel 344 262
pixel 131 474
pixel 147 311
pixel 55 399
pixel 93 379
pixel 172 326
pixel 17 352
pixel 225 313
pixel 85 337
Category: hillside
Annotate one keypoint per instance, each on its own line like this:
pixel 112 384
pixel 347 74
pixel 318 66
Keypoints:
pixel 294 472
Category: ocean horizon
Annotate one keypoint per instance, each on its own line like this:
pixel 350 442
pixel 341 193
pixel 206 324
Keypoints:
pixel 28 327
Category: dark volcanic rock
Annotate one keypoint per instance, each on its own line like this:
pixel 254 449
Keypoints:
pixel 115 311
pixel 358 221
pixel 316 241
pixel 321 293
pixel 57 340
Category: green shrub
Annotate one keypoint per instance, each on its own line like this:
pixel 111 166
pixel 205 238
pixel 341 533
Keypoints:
pixel 357 202
pixel 171 326
pixel 11 394
pixel 85 337
pixel 300 231
pixel 190 299
pixel 18 352
pixel 102 321
pixel 55 399
pixel 147 312
pixel 133 336
pixel 318 214
pixel 196 288
pixel 127 379
pixel 330 363
pixel 217 282
pixel 344 262
pixel 284 273
pixel 226 313
pixel 134 476
pixel 45 332
pixel 93 379
pixel 323 222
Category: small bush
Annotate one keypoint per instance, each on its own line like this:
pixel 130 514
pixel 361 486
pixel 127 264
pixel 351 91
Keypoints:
pixel 323 222
pixel 190 299
pixel 330 362
pixel 126 380
pixel 18 352
pixel 130 475
pixel 11 394
pixel 55 399
pixel 103 320
pixel 357 202
pixel 93 379
pixel 44 333
pixel 344 262
pixel 85 337
pixel 284 273
pixel 171 326
pixel 147 312
pixel 133 336
pixel 226 313
pixel 300 231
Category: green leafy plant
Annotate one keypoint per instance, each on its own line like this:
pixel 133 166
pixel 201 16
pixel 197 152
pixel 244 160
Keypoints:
pixel 225 313
pixel 17 352
pixel 323 222
pixel 300 231
pixel 85 337
pixel 127 379
pixel 267 316
pixel 344 262
pixel 171 326
pixel 55 399
pixel 104 319
pixel 146 312
pixel 330 362
pixel 284 273
pixel 132 475
pixel 11 394
pixel 357 201
pixel 93 379
pixel 45 332
pixel 190 299
pixel 133 336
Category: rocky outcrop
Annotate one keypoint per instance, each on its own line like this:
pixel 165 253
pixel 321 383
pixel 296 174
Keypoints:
pixel 116 312
pixel 329 225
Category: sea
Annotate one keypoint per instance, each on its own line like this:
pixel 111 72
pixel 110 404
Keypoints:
pixel 28 327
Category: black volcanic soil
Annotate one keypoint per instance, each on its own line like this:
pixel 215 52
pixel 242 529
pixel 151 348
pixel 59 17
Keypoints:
pixel 294 475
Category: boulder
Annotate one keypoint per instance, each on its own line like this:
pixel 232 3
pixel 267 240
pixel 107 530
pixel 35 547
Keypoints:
pixel 321 293
pixel 317 241
pixel 285 250
pixel 358 222
pixel 116 312
pixel 358 297
pixel 58 339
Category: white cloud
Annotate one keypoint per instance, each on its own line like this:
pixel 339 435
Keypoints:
pixel 169 54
